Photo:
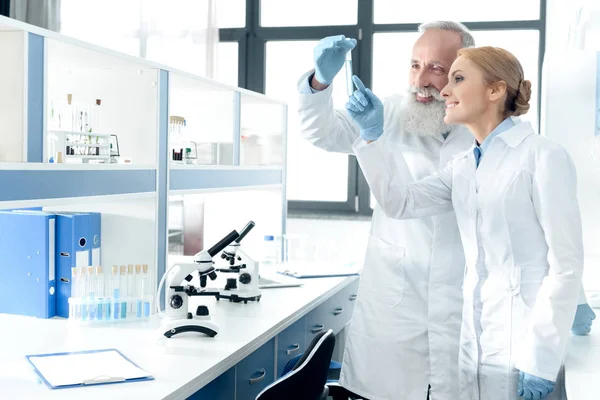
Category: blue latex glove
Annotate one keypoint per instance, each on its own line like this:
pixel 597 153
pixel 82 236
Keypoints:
pixel 330 55
pixel 582 325
pixel 533 388
pixel 366 110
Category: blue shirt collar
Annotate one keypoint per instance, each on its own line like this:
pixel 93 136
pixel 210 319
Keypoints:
pixel 503 127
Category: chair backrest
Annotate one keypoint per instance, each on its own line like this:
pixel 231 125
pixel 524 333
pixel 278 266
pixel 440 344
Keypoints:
pixel 307 380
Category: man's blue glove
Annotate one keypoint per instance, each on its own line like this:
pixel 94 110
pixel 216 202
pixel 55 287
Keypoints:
pixel 330 55
pixel 533 388
pixel 582 325
pixel 366 111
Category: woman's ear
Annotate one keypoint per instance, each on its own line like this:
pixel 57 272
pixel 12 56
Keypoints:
pixel 497 91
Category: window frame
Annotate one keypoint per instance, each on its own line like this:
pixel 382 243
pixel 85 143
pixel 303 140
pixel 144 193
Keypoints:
pixel 252 41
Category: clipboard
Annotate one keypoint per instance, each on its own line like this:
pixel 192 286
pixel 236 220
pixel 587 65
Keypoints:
pixel 308 270
pixel 86 368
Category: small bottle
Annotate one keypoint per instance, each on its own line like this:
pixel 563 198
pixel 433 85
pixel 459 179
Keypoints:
pixel 145 289
pixel 269 250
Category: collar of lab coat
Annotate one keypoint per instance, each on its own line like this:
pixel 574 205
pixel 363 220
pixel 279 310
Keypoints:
pixel 515 135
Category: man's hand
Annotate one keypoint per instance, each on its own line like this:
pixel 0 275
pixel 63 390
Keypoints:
pixel 330 55
pixel 366 110
pixel 582 325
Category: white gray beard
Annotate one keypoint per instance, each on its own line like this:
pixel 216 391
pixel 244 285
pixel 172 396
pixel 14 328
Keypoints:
pixel 423 119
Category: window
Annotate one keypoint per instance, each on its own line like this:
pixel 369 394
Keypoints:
pixel 276 49
pixel 231 13
pixel 305 161
pixel 86 20
pixel 308 12
pixel 394 11
pixel 227 63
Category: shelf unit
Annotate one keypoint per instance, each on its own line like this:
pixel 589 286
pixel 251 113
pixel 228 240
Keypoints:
pixel 138 98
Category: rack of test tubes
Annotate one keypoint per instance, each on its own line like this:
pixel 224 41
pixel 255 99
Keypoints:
pixel 122 294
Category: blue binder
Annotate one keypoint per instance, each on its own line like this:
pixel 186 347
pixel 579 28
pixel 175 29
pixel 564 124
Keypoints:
pixel 73 248
pixel 27 264
pixel 96 238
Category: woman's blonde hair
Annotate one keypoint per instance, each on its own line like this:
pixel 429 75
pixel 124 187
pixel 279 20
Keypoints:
pixel 500 65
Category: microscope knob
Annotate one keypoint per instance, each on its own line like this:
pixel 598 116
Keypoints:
pixel 245 278
pixel 190 316
pixel 176 301
pixel 223 256
pixel 212 275
pixel 239 258
pixel 202 311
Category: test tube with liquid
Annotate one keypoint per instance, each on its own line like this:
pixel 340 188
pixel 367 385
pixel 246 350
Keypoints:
pixel 348 65
pixel 124 291
pixel 145 289
pixel 138 291
pixel 92 283
pixel 115 292
pixel 83 292
pixel 74 293
pixel 101 310
pixel 130 287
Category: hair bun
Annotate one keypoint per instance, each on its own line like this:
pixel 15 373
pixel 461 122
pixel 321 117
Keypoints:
pixel 522 98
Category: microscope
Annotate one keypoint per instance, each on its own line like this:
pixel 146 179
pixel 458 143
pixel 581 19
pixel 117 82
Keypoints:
pixel 177 319
pixel 244 286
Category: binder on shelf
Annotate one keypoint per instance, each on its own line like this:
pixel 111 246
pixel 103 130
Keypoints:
pixel 86 368
pixel 27 264
pixel 96 238
pixel 73 248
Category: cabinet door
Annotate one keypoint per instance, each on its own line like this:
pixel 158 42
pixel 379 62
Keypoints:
pixel 290 343
pixel 222 388
pixel 342 306
pixel 318 320
pixel 256 372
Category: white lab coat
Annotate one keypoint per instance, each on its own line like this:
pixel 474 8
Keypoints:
pixel 520 225
pixel 405 329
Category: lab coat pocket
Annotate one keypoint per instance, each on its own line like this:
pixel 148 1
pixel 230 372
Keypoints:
pixel 383 274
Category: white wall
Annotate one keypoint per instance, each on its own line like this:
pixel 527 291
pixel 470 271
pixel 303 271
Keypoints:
pixel 12 95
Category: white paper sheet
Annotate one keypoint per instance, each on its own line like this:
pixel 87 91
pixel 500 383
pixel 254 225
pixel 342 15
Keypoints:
pixel 71 369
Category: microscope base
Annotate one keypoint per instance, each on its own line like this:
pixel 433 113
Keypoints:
pixel 177 326
pixel 237 296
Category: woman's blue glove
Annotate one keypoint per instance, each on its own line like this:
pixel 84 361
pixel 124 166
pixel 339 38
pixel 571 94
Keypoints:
pixel 330 55
pixel 533 388
pixel 582 325
pixel 366 110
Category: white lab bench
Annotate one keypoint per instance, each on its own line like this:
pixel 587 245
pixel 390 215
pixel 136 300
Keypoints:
pixel 181 366
pixel 582 366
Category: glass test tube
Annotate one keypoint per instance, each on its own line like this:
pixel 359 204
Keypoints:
pixel 138 291
pixel 115 292
pixel 92 293
pixel 124 291
pixel 130 287
pixel 100 309
pixel 348 64
pixel 83 292
pixel 145 289
pixel 74 294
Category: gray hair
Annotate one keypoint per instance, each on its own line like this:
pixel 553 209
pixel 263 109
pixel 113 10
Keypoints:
pixel 452 26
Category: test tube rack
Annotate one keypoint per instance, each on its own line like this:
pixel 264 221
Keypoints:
pixel 123 294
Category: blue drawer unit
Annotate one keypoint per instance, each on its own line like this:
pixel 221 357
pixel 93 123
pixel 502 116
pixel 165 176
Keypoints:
pixel 256 372
pixel 290 343
pixel 222 388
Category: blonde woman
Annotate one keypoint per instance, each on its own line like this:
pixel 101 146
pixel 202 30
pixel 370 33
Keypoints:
pixel 514 195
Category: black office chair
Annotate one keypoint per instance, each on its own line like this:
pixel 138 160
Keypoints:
pixel 306 379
